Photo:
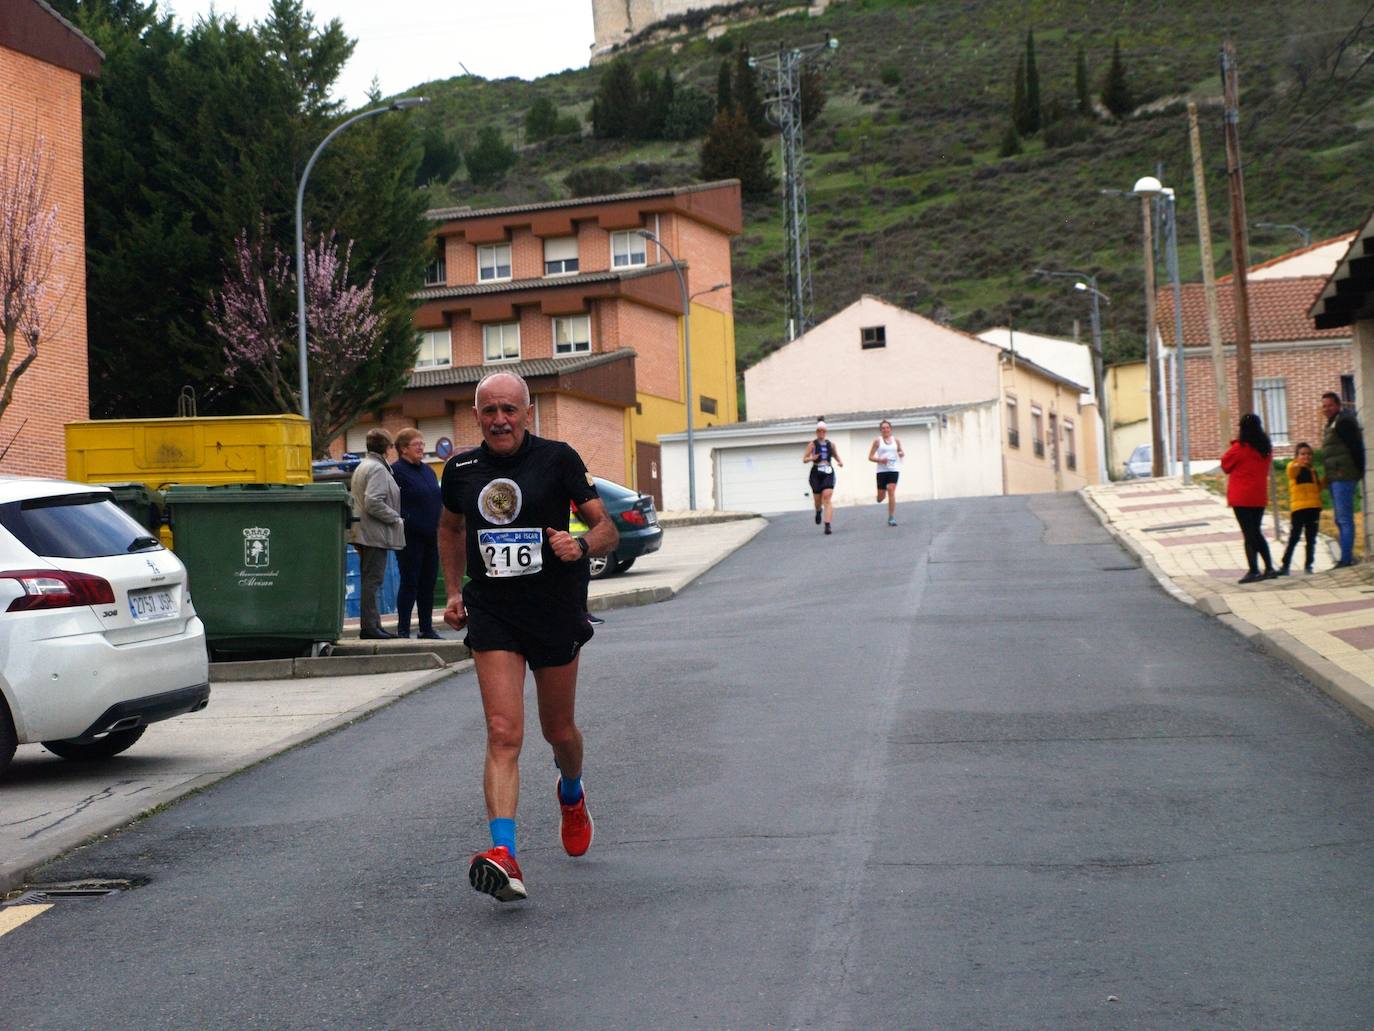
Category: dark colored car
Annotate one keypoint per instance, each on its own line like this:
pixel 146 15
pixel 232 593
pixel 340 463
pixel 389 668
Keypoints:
pixel 634 517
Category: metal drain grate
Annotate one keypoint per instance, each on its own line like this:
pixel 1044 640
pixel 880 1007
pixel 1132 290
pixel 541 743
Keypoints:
pixel 1166 527
pixel 47 894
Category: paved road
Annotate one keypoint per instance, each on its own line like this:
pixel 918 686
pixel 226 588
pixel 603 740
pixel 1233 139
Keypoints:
pixel 973 772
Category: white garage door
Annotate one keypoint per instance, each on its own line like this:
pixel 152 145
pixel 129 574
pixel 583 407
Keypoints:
pixel 767 478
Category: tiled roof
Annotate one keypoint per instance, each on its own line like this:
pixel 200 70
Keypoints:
pixel 1278 312
pixel 450 214
pixel 1290 255
pixel 528 369
pixel 438 293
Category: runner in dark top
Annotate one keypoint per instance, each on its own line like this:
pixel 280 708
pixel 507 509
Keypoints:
pixel 823 457
pixel 505 524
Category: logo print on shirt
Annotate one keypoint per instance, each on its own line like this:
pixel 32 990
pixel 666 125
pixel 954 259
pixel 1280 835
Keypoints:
pixel 500 501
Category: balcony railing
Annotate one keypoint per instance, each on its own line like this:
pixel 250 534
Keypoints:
pixel 1039 449
pixel 1071 461
pixel 1013 438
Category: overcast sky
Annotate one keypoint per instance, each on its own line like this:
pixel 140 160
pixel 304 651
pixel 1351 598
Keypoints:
pixel 403 43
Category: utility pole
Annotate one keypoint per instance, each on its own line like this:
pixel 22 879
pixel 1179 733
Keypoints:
pixel 785 111
pixel 1209 284
pixel 1240 251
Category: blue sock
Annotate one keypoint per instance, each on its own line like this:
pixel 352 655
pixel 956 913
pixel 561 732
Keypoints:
pixel 503 833
pixel 569 791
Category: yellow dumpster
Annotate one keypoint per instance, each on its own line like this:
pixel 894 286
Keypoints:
pixel 197 450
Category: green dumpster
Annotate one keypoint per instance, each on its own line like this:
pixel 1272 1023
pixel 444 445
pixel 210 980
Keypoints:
pixel 141 502
pixel 266 564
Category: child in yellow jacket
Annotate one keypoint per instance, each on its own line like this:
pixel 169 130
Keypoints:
pixel 1305 502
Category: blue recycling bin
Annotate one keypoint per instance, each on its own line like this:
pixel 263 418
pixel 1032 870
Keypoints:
pixel 353 579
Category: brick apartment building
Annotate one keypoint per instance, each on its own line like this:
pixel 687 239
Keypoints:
pixel 43 59
pixel 570 296
pixel 1293 362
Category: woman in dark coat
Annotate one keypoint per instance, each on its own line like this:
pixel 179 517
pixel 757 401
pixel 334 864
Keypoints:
pixel 1246 464
pixel 418 562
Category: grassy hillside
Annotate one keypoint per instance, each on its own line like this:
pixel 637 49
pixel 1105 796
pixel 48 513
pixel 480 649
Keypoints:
pixel 909 198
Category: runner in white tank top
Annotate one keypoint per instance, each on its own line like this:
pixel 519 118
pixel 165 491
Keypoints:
pixel 888 454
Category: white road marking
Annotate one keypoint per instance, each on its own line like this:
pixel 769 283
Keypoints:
pixel 15 916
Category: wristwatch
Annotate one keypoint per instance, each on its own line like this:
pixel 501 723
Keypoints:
pixel 582 543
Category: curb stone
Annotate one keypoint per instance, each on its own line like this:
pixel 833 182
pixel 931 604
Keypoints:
pixel 1344 687
pixel 23 871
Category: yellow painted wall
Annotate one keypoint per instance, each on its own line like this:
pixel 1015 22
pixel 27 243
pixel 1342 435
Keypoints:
pixel 713 375
pixel 1026 472
pixel 1128 395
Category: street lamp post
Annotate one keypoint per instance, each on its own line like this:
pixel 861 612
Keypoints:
pixel 1147 188
pixel 1303 232
pixel 395 105
pixel 1087 282
pixel 687 365
pixel 1180 354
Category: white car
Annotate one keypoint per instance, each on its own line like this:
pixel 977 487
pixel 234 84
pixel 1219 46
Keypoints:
pixel 98 637
pixel 1140 464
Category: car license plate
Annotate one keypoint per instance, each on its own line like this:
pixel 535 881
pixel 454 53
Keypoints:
pixel 651 517
pixel 151 604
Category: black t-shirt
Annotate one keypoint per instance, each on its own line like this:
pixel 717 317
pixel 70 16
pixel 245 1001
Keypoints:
pixel 509 503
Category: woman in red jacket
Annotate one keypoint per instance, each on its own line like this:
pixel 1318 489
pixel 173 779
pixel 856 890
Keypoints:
pixel 1246 464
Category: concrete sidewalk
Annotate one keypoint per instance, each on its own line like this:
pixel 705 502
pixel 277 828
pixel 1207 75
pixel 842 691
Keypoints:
pixel 1187 537
pixel 259 709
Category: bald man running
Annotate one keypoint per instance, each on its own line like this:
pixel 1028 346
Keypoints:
pixel 505 524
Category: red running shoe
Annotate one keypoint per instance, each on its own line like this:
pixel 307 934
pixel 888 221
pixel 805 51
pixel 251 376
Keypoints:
pixel 496 873
pixel 576 828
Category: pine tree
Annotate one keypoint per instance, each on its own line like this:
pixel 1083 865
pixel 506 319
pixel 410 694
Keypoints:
pixel 541 120
pixel 442 156
pixel 690 114
pixel 1034 116
pixel 1080 84
pixel 1011 143
pixel 617 101
pixel 187 135
pixel 813 95
pixel 746 93
pixel 1018 97
pixel 1116 92
pixel 655 101
pixel 725 98
pixel 490 159
pixel 732 150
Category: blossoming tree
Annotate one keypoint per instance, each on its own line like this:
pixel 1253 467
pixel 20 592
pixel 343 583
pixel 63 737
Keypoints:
pixel 255 315
pixel 30 289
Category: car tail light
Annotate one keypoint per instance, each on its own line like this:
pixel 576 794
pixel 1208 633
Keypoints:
pixel 57 589
pixel 634 517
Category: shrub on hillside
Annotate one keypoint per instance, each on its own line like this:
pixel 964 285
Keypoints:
pixel 541 120
pixel 490 159
pixel 594 181
pixel 1068 131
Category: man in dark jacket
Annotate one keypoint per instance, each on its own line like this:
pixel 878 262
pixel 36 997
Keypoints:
pixel 377 503
pixel 418 562
pixel 1343 460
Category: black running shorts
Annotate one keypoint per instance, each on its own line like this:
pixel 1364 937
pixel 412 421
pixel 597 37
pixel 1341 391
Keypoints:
pixel 886 479
pixel 821 481
pixel 489 633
